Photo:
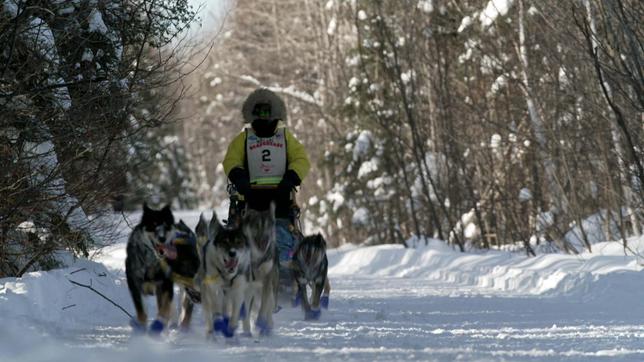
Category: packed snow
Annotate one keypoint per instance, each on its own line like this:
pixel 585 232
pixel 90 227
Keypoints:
pixel 388 302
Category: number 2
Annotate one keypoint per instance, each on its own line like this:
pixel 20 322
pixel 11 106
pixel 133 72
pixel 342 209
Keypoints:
pixel 266 155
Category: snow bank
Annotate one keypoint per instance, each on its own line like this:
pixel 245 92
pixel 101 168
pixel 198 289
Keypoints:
pixel 494 272
pixel 49 298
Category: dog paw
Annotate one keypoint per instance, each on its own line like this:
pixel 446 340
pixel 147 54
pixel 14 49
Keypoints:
pixel 137 328
pixel 312 315
pixel 156 327
pixel 246 335
pixel 228 332
pixel 263 327
pixel 277 309
pixel 210 336
pixel 232 341
pixel 324 301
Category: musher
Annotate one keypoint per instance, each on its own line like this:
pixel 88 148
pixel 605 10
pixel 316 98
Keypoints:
pixel 265 163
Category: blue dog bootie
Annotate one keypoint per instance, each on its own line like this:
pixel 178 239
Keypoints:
pixel 324 301
pixel 311 315
pixel 229 332
pixel 220 324
pixel 156 327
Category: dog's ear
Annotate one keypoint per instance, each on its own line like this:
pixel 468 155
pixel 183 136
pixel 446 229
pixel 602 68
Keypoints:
pixel 202 227
pixel 145 217
pixel 182 226
pixel 202 231
pixel 320 239
pixel 166 213
pixel 146 208
pixel 215 227
pixel 245 213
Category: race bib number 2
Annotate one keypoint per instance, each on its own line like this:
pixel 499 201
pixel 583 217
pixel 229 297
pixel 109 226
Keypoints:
pixel 266 155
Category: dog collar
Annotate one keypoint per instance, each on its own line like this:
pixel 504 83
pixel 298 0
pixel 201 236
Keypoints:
pixel 210 279
pixel 182 238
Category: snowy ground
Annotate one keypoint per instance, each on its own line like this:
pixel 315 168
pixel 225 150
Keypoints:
pixel 387 303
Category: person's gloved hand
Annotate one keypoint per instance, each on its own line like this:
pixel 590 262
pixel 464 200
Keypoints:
pixel 240 178
pixel 289 182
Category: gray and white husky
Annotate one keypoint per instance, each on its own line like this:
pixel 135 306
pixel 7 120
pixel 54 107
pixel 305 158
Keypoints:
pixel 309 267
pixel 259 229
pixel 224 275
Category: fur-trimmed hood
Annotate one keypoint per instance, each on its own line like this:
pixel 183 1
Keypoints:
pixel 263 95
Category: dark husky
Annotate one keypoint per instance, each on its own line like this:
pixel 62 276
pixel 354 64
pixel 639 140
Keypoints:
pixel 309 267
pixel 158 250
pixel 184 270
pixel 259 229
pixel 224 276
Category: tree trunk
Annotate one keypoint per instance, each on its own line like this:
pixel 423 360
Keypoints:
pixel 558 198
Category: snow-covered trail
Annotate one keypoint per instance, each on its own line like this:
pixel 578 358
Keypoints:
pixel 428 320
pixel 373 319
pixel 387 303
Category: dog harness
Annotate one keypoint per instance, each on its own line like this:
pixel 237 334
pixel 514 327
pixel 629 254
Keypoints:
pixel 181 238
pixel 176 277
pixel 266 158
pixel 208 279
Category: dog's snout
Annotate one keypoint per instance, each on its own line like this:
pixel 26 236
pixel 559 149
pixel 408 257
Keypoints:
pixel 232 253
pixel 160 233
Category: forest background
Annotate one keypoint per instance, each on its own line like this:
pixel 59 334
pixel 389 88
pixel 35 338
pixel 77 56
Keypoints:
pixel 483 123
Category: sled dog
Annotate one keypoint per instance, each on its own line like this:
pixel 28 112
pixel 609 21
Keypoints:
pixel 184 270
pixel 309 268
pixel 157 251
pixel 224 276
pixel 259 229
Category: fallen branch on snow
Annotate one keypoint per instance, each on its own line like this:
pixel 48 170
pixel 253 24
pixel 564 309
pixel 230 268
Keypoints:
pixel 102 295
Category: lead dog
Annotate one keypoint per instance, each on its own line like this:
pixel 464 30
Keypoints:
pixel 154 257
pixel 309 267
pixel 224 275
pixel 259 229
